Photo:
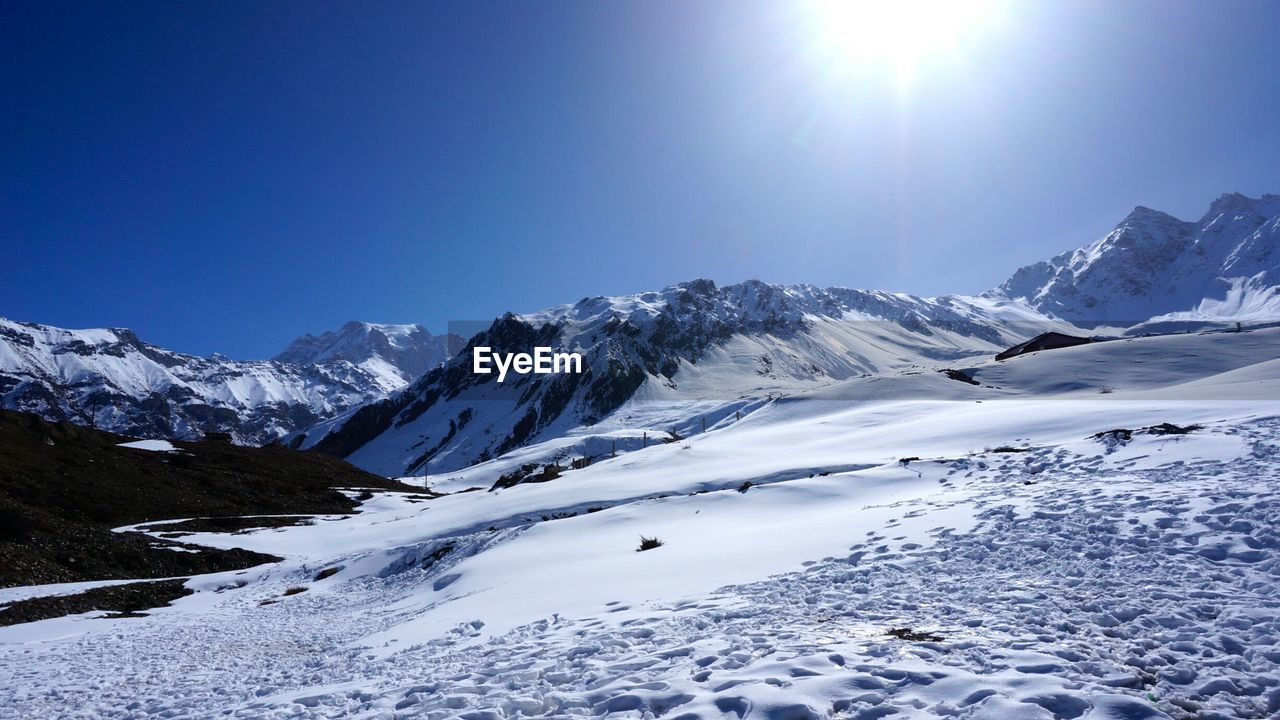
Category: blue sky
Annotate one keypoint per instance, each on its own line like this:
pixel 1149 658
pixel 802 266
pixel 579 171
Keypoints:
pixel 225 176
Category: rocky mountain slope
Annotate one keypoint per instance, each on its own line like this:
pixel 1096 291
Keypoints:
pixel 663 363
pixel 391 399
pixel 1226 265
pixel 112 380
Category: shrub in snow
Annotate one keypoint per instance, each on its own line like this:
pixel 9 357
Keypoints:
pixel 648 543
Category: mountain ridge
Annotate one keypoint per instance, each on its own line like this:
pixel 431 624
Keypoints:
pixel 691 348
pixel 1225 265
pixel 388 396
pixel 111 379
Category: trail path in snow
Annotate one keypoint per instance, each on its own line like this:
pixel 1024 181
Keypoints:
pixel 1103 580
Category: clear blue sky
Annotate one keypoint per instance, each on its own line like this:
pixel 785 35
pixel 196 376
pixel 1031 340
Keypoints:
pixel 225 176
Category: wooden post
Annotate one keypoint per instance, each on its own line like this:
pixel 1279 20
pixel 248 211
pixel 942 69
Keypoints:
pixel 613 448
pixel 644 440
pixel 737 415
pixel 704 423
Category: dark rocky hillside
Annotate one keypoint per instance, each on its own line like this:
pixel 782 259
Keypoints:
pixel 63 487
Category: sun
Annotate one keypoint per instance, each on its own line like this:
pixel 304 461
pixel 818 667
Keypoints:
pixel 900 35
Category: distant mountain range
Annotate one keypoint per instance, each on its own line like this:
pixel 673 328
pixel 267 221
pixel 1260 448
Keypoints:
pixel 390 399
pixel 112 380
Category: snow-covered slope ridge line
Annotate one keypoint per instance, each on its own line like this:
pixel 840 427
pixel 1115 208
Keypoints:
pixel 1225 266
pixel 1028 567
pixel 111 379
pixel 663 361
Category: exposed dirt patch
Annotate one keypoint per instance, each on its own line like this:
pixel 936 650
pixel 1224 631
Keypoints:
pixel 230 524
pixel 124 600
pixel 1170 429
pixel 959 375
pixel 1117 435
pixel 1125 435
pixel 914 635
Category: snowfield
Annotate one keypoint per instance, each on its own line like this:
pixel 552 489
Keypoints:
pixel 151 445
pixel 1037 545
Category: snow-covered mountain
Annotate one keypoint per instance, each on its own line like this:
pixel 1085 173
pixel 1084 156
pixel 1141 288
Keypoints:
pixel 111 379
pixel 669 361
pixel 392 400
pixel 1224 266
pixel 661 363
pixel 394 354
pixel 897 546
pixel 879 520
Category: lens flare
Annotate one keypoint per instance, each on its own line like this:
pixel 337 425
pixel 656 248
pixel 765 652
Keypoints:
pixel 899 34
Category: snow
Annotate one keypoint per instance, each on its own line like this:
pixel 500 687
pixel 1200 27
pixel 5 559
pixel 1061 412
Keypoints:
pixel 152 445
pixel 69 373
pixel 1245 299
pixel 1081 578
pixel 1224 266
pixel 772 340
pixel 393 355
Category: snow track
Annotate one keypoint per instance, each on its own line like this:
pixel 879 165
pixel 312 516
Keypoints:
pixel 1131 581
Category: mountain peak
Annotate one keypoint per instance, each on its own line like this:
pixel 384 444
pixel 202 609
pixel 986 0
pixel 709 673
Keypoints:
pixel 1153 264
pixel 1141 215
pixel 1230 201
pixel 397 353
pixel 1141 211
pixel 352 326
pixel 1234 203
pixel 698 286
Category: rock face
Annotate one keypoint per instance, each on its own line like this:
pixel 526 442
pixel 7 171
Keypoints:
pixel 690 343
pixel 1044 341
pixel 396 354
pixel 1225 265
pixel 112 380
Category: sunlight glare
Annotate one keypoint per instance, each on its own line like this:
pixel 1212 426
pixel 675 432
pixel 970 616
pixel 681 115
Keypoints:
pixel 899 34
